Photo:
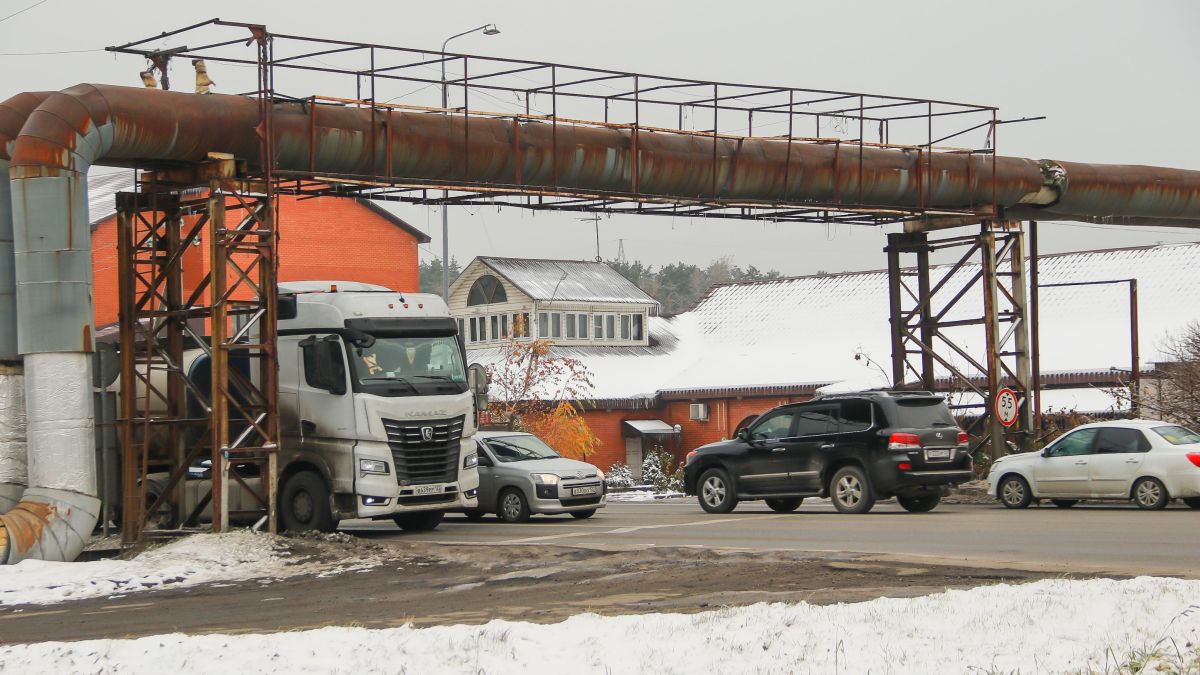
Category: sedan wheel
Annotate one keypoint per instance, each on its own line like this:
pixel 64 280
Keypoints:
pixel 1150 493
pixel 850 491
pixel 1014 492
pixel 716 493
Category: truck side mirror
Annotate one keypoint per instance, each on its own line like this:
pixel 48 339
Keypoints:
pixel 323 364
pixel 477 378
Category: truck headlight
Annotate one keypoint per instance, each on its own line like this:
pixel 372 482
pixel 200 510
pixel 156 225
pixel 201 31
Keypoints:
pixel 471 460
pixel 545 478
pixel 373 466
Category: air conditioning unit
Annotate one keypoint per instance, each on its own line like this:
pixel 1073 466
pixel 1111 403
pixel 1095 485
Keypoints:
pixel 698 412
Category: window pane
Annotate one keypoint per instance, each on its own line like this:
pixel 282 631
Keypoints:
pixel 1177 435
pixel 483 329
pixel 583 326
pixel 1116 440
pixel 474 331
pixel 637 326
pixel 854 416
pixel 461 330
pixel 504 326
pixel 526 330
pixel 1077 443
pixel 543 325
pixel 775 426
pixel 625 326
pixel 570 326
pixel 818 421
pixel 556 325
pixel 598 323
pixel 610 322
pixel 495 327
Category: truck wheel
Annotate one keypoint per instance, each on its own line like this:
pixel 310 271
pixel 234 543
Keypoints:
pixel 513 507
pixel 784 505
pixel 304 504
pixel 422 521
pixel 716 493
pixel 921 504
pixel 581 515
pixel 850 491
pixel 474 514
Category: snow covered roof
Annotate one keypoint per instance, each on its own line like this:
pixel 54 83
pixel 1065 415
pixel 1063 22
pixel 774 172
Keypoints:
pixel 568 280
pixel 804 332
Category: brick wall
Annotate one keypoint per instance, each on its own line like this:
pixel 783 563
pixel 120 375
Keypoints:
pixel 324 238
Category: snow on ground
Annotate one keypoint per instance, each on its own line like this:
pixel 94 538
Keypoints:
pixel 647 495
pixel 201 558
pixel 1048 626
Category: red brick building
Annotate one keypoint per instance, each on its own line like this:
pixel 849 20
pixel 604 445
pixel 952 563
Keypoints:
pixel 322 238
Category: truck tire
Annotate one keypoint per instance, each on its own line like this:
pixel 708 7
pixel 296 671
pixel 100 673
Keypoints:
pixel 304 504
pixel 850 491
pixel 422 521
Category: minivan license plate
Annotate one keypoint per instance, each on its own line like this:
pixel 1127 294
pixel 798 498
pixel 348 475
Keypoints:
pixel 937 453
pixel 581 491
pixel 426 489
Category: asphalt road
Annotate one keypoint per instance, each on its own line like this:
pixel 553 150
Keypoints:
pixel 1113 538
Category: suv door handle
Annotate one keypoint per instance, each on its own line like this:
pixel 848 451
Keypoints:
pixel 779 448
pixel 826 446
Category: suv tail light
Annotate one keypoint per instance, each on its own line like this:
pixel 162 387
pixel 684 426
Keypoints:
pixel 963 438
pixel 904 441
pixel 1194 458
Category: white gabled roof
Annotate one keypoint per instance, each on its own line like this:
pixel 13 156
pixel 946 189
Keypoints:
pixel 806 330
pixel 568 280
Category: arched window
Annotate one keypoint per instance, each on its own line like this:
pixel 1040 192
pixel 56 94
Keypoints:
pixel 487 290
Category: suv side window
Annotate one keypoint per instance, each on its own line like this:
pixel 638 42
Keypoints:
pixel 1117 440
pixel 814 421
pixel 1075 443
pixel 854 416
pixel 778 425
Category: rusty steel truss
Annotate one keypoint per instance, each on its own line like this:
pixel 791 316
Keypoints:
pixel 934 332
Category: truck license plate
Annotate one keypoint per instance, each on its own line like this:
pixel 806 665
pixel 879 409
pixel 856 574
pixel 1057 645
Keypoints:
pixel 938 453
pixel 427 489
pixel 583 491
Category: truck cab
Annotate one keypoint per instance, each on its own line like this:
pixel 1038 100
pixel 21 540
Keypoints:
pixel 377 407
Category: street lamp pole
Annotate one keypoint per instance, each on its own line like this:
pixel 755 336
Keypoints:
pixel 487 29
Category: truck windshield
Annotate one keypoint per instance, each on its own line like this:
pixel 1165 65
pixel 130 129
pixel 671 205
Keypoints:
pixel 409 366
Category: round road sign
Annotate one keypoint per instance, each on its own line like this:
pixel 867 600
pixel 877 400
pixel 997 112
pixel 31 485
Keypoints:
pixel 1006 406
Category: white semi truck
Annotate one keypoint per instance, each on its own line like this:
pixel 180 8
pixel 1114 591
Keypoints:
pixel 377 410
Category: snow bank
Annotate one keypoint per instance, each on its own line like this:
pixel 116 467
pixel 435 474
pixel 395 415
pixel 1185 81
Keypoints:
pixel 201 558
pixel 647 495
pixel 1047 626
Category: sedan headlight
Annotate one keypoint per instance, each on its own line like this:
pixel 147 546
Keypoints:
pixel 545 478
pixel 471 460
pixel 373 466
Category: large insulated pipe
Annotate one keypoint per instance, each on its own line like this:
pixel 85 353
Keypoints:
pixel 13 114
pixel 98 124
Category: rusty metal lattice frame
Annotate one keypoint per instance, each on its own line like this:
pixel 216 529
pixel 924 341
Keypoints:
pixel 920 323
pixel 640 104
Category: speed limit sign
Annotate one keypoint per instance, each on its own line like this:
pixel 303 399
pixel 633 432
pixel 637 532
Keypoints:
pixel 1006 406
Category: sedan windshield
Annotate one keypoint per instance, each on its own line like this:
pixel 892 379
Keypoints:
pixel 519 448
pixel 1177 435
pixel 409 366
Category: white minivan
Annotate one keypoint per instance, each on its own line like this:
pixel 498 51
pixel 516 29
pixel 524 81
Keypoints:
pixel 1147 461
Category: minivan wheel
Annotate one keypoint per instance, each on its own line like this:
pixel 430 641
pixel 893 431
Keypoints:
pixel 921 504
pixel 513 507
pixel 1151 494
pixel 715 492
pixel 786 505
pixel 851 491
pixel 1014 492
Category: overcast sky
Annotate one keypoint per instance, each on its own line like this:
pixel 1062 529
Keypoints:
pixel 1116 80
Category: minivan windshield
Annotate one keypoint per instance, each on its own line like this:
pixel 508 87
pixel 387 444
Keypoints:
pixel 519 448
pixel 1177 435
pixel 409 366
pixel 923 413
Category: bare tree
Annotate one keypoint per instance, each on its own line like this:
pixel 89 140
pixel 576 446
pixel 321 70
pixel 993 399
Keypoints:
pixel 1172 393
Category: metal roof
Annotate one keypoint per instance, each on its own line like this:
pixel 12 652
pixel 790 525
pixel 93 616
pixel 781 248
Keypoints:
pixel 569 281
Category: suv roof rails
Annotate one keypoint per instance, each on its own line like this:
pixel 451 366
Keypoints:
pixel 883 391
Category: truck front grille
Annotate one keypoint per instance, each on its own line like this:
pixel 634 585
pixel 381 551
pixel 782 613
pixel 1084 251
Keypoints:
pixel 426 451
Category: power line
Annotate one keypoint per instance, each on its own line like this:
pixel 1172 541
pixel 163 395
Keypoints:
pixel 70 51
pixel 40 2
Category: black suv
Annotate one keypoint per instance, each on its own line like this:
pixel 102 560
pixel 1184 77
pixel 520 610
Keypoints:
pixel 853 448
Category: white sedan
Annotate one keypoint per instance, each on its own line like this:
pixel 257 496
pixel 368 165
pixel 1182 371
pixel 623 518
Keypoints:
pixel 1147 461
